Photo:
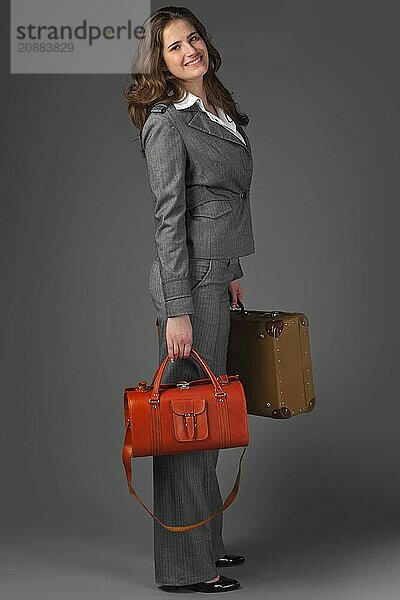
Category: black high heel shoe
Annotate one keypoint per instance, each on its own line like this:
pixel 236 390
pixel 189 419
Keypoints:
pixel 229 560
pixel 223 584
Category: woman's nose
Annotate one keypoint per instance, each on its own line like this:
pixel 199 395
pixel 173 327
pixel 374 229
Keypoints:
pixel 189 50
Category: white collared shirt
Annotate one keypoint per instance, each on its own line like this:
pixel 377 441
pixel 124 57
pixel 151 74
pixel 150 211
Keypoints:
pixel 222 119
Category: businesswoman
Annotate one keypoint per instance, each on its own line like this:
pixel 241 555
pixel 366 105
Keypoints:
pixel 199 165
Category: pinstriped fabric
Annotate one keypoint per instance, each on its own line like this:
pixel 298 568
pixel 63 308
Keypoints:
pixel 222 118
pixel 200 175
pixel 185 485
pixel 155 283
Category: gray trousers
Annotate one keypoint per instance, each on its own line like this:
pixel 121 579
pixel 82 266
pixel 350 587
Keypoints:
pixel 185 484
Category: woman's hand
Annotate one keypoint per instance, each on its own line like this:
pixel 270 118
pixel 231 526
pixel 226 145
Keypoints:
pixel 235 293
pixel 179 336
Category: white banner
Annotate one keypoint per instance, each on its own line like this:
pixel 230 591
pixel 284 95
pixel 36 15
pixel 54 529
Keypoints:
pixel 75 36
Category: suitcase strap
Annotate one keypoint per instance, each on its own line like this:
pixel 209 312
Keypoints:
pixel 127 455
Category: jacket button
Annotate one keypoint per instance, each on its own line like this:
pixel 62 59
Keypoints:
pixel 243 195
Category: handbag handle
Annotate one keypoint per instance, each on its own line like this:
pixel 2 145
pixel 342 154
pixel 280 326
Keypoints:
pixel 155 396
pixel 127 454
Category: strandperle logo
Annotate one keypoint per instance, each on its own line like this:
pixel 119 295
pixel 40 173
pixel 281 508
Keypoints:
pixel 66 37
pixel 90 33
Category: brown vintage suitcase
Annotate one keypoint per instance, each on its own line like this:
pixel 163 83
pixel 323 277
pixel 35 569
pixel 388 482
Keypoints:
pixel 271 353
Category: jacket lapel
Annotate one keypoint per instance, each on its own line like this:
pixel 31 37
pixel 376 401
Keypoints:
pixel 202 122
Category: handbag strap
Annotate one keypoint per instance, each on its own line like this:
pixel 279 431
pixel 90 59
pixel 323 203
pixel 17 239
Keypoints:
pixel 127 455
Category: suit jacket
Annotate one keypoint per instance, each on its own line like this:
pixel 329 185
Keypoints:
pixel 199 174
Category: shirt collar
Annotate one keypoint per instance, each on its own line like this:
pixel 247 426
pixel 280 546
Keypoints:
pixel 192 98
pixel 189 101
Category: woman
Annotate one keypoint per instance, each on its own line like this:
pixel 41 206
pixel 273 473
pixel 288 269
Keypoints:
pixel 200 166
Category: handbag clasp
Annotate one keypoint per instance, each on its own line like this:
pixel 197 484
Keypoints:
pixel 190 415
pixel 183 385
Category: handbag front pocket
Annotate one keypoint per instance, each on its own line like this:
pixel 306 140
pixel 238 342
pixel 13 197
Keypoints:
pixel 189 416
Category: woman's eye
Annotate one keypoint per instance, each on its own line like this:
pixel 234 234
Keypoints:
pixel 193 38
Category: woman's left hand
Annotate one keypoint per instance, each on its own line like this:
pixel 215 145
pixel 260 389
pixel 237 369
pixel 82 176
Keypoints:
pixel 235 293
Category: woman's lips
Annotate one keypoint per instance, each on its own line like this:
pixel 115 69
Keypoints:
pixel 196 63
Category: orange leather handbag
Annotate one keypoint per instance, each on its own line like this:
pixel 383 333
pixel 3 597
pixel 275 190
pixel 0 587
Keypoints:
pixel 202 414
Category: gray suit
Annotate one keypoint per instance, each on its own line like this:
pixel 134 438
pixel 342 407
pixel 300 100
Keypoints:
pixel 199 175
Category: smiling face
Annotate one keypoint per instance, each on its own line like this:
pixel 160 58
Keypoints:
pixel 184 52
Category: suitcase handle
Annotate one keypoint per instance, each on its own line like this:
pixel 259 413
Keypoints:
pixel 270 313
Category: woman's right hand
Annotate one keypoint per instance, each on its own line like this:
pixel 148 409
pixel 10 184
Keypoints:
pixel 179 336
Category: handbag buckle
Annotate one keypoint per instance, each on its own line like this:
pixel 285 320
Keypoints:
pixel 190 415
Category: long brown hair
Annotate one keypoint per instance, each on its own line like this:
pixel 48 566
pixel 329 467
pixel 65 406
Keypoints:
pixel 152 83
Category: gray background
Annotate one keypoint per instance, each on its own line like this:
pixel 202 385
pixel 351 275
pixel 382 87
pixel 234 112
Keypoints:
pixel 317 514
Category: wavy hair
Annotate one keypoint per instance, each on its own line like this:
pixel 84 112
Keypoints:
pixel 152 82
